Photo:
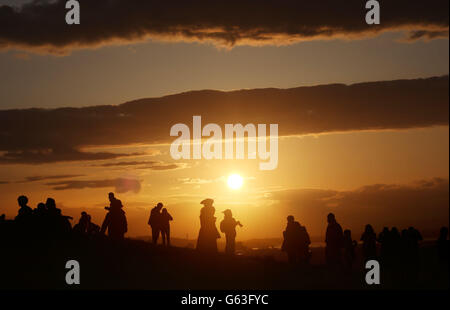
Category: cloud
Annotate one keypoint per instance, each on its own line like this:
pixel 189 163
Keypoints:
pixel 40 25
pixel 423 203
pixel 49 177
pixel 120 185
pixel 161 167
pixel 195 181
pixel 426 35
pixel 199 181
pixel 145 164
pixel 127 163
pixel 51 154
pixel 34 136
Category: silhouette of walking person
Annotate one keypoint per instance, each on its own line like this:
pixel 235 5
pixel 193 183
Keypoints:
pixel 369 246
pixel 155 222
pixel 296 241
pixel 334 241
pixel 228 227
pixel 165 226
pixel 115 221
pixel 208 234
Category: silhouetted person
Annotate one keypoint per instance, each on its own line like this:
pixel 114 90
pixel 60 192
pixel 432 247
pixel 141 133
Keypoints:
pixel 114 203
pixel 443 245
pixel 92 228
pixel 2 222
pixel 396 241
pixel 369 246
pixel 228 227
pixel 82 225
pixel 52 215
pixel 408 262
pixel 155 222
pixel 349 249
pixel 334 241
pixel 384 238
pixel 165 219
pixel 41 223
pixel 115 221
pixel 24 219
pixel 3 229
pixel 50 205
pixel 59 225
pixel 64 224
pixel 208 234
pixel 414 238
pixel 296 241
pixel 25 212
pixel 41 210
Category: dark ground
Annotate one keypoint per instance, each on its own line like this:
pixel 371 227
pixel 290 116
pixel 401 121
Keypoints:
pixel 136 264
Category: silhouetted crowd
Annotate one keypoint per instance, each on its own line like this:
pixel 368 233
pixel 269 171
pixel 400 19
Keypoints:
pixel 396 250
pixel 45 221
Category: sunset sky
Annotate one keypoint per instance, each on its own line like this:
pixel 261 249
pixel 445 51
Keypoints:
pixel 373 152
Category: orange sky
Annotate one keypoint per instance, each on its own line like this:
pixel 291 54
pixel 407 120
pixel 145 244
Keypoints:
pixel 371 152
pixel 337 161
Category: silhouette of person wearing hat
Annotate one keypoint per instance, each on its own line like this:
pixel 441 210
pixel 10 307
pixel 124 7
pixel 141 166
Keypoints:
pixel 228 227
pixel 208 234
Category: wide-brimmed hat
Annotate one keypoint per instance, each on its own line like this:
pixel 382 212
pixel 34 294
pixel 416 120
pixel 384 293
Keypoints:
pixel 207 202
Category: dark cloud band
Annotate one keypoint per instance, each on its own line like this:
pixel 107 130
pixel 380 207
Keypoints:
pixel 120 185
pixel 43 135
pixel 41 24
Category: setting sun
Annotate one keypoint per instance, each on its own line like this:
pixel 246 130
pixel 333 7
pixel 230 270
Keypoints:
pixel 235 181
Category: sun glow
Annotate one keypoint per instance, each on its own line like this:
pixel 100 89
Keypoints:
pixel 235 181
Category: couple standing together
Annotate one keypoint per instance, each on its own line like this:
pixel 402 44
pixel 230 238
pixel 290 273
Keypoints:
pixel 159 221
